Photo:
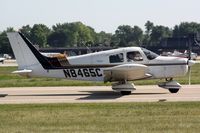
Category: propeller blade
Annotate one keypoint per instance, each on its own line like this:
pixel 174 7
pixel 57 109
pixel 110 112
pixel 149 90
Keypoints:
pixel 189 54
pixel 190 62
pixel 189 75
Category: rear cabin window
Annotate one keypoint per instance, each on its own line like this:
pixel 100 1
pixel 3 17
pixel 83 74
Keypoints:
pixel 134 56
pixel 116 58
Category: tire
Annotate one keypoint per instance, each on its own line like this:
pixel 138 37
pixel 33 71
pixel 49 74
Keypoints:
pixel 172 90
pixel 125 92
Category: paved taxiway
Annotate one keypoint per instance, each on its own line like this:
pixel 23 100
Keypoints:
pixel 94 94
pixel 8 63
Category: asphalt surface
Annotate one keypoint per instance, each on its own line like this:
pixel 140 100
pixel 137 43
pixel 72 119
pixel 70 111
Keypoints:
pixel 8 63
pixel 19 95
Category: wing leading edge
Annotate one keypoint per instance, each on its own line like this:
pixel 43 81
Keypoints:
pixel 128 72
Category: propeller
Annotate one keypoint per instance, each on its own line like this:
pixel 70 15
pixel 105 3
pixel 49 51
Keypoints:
pixel 190 61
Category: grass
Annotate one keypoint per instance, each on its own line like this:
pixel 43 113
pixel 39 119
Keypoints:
pixel 157 117
pixel 101 117
pixel 12 80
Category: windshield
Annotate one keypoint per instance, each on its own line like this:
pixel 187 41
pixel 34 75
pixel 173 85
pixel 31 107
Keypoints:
pixel 149 54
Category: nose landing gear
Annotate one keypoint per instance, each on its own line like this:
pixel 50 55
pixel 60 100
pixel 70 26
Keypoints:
pixel 171 85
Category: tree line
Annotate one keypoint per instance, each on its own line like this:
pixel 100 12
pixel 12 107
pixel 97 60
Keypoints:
pixel 77 34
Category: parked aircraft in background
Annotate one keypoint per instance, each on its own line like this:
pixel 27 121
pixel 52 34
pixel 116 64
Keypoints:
pixel 180 54
pixel 120 65
pixel 7 56
pixel 185 54
pixel 2 60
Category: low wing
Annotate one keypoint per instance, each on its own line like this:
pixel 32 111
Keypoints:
pixel 127 72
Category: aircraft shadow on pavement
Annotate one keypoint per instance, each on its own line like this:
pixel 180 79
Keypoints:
pixel 100 95
pixel 90 95
pixel 47 95
pixel 85 95
pixel 3 95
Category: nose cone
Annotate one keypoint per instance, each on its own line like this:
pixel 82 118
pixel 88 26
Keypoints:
pixel 191 62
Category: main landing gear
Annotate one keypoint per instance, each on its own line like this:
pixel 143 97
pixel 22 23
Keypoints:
pixel 171 85
pixel 124 87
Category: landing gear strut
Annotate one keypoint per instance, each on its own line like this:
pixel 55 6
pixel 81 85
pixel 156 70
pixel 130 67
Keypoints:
pixel 171 85
pixel 123 87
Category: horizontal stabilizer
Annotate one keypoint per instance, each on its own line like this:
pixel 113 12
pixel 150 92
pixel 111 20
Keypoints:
pixel 25 71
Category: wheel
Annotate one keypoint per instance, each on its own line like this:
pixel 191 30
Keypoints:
pixel 125 92
pixel 172 90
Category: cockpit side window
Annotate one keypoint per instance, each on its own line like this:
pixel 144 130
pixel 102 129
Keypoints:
pixel 149 54
pixel 116 58
pixel 134 56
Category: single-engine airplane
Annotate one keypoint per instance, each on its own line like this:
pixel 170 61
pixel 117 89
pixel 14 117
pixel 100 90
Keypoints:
pixel 120 65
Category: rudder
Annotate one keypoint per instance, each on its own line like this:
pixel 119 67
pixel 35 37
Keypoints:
pixel 27 55
pixel 24 56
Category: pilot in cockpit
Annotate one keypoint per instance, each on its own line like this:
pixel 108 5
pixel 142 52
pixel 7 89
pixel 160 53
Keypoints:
pixel 134 56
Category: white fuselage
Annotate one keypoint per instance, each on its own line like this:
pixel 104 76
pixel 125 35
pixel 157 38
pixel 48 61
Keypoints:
pixel 91 67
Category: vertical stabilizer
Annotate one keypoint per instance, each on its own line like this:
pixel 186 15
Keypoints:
pixel 24 56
